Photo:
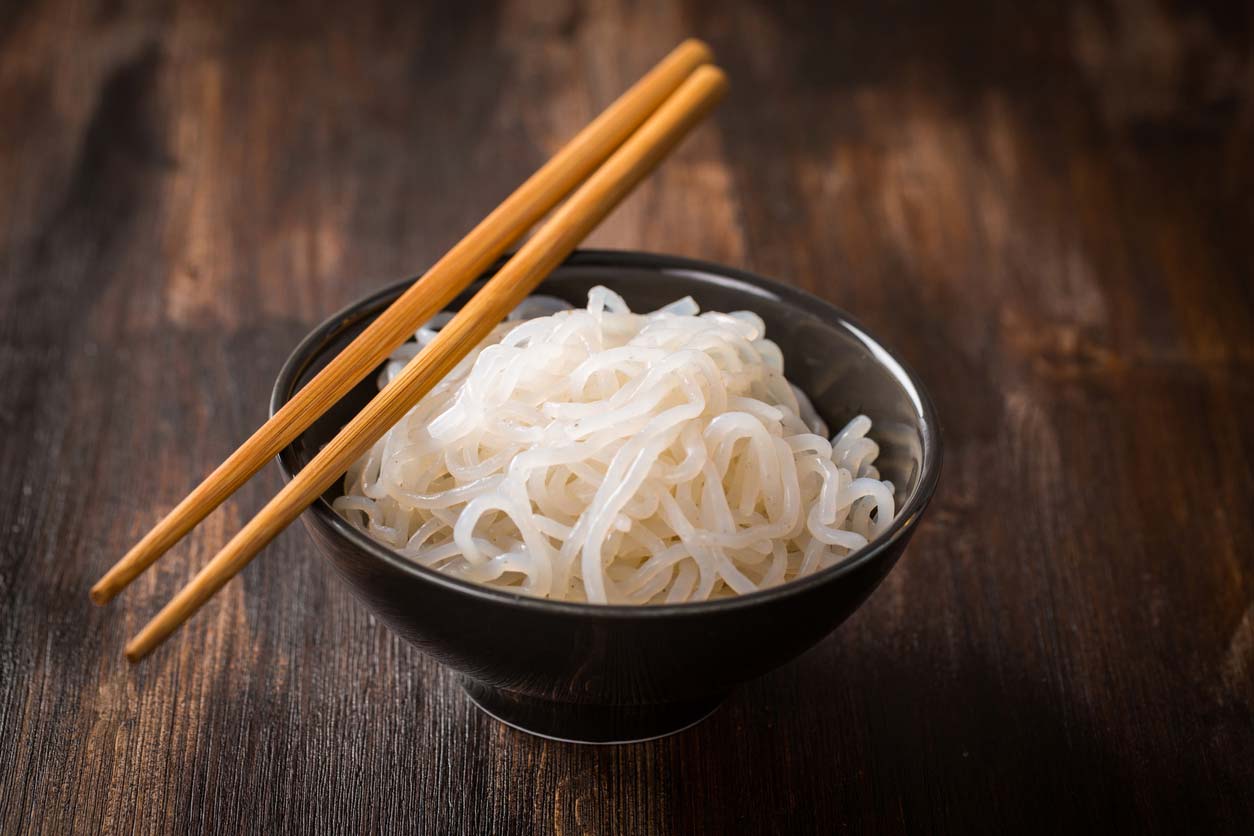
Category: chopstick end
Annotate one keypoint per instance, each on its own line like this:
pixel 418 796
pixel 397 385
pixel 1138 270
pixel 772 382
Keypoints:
pixel 136 650
pixel 712 76
pixel 700 49
pixel 101 593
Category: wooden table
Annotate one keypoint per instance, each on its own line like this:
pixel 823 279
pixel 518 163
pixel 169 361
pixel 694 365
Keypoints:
pixel 1045 208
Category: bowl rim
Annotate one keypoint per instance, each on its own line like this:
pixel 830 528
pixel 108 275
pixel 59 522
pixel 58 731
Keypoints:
pixel 309 348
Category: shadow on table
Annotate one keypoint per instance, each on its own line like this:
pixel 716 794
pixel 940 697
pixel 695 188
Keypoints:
pixel 877 747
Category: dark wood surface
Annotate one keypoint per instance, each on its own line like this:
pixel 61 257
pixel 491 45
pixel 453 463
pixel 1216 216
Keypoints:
pixel 1045 208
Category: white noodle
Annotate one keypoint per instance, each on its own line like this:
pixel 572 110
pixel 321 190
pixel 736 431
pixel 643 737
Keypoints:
pixel 600 455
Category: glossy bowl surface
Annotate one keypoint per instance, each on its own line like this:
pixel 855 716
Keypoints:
pixel 599 673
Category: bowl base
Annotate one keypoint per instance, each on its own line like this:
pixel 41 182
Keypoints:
pixel 588 723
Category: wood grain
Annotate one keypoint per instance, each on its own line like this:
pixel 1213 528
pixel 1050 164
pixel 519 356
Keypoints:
pixel 1044 207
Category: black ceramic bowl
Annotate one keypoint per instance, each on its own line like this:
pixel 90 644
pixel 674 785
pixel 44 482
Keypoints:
pixel 615 673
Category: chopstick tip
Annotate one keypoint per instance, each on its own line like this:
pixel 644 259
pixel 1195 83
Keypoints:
pixel 699 47
pixel 710 76
pixel 101 594
pixel 136 650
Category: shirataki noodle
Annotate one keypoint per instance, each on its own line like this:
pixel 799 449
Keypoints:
pixel 605 456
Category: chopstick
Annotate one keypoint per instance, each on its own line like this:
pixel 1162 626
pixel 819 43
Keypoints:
pixel 462 264
pixel 520 275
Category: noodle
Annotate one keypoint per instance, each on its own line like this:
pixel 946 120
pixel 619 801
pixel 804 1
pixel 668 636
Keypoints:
pixel 599 455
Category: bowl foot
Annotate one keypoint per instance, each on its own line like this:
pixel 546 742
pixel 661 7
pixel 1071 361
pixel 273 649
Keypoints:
pixel 588 723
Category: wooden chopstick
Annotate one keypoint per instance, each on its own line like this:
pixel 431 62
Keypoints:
pixel 520 275
pixel 450 275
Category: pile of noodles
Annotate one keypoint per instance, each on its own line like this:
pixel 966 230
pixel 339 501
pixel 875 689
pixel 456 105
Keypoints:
pixel 606 456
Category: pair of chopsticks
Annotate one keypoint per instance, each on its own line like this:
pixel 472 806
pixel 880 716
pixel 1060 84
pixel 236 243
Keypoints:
pixel 609 157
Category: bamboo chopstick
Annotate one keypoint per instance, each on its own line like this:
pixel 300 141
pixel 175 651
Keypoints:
pixel 544 251
pixel 461 265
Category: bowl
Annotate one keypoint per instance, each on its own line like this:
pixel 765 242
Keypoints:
pixel 601 674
